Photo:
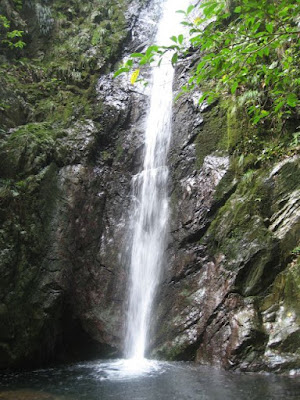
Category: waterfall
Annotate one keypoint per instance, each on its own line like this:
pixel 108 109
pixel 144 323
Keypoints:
pixel 149 189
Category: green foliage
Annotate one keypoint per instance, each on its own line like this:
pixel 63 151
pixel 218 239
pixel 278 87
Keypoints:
pixel 10 38
pixel 248 50
pixel 27 149
pixel 55 80
pixel 18 4
pixel 296 251
pixel 97 36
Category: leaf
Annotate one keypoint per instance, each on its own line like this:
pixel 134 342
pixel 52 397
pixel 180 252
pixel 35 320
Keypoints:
pixel 270 27
pixel 121 71
pixel 174 59
pixel 209 9
pixel 136 55
pixel 173 47
pixel 256 26
pixel 211 98
pixel 190 9
pixel 180 39
pixel 4 21
pixel 256 119
pixel 14 34
pixel 186 23
pixel 237 10
pixel 260 114
pixel 174 39
pixel 234 87
pixel 203 97
pixel 261 52
pixel 144 60
pixel 200 65
pixel 292 100
pixel 150 50
pixel 19 44
pixel 264 113
pixel 279 106
pixel 134 76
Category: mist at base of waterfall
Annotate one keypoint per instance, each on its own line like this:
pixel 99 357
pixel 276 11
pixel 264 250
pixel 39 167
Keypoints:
pixel 144 380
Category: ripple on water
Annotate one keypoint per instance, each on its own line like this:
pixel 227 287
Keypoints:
pixel 144 380
pixel 27 394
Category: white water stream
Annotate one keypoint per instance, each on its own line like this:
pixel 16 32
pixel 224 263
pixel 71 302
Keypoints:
pixel 151 211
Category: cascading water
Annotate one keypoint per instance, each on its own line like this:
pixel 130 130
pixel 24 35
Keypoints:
pixel 150 214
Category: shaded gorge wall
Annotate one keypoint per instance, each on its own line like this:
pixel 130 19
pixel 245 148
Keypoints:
pixel 67 157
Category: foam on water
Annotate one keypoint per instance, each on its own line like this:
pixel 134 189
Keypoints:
pixel 128 369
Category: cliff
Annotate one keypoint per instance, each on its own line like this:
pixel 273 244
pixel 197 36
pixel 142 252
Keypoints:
pixel 231 291
pixel 71 139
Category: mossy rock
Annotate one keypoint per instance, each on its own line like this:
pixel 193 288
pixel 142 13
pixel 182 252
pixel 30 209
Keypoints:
pixel 286 288
pixel 241 229
pixel 55 81
pixel 211 134
pixel 27 150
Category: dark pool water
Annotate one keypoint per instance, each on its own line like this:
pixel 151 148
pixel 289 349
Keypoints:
pixel 151 380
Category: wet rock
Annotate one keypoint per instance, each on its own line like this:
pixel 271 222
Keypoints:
pixel 143 26
pixel 64 203
pixel 224 297
pixel 230 289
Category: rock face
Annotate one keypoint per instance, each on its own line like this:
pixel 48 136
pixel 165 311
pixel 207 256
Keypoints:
pixel 230 295
pixel 230 291
pixel 65 196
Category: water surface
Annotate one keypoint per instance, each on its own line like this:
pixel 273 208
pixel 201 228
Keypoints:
pixel 147 380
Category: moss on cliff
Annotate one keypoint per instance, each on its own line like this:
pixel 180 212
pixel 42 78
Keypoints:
pixel 211 135
pixel 245 217
pixel 55 79
pixel 227 128
pixel 27 150
pixel 48 116
pixel 254 234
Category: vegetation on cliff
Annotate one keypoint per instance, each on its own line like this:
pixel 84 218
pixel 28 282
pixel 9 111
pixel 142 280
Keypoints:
pixel 49 119
pixel 248 53
pixel 67 47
